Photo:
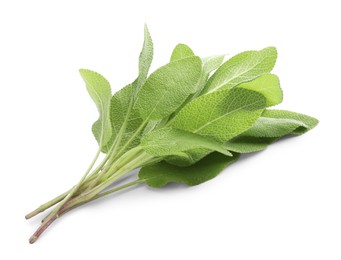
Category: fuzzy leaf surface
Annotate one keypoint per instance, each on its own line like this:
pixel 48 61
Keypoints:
pixel 243 67
pixel 221 115
pixel 145 59
pixel 272 125
pixel 169 141
pixel 100 92
pixel 212 63
pixel 268 85
pixel 168 87
pixel 181 51
pixel 162 173
pixel 118 113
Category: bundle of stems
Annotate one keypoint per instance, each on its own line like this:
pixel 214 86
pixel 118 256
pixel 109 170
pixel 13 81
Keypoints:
pixel 93 184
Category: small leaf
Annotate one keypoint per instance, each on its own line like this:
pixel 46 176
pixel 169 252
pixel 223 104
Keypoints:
pixel 241 68
pixel 221 115
pixel 168 87
pixel 272 125
pixel 212 63
pixel 209 64
pixel 170 141
pixel 162 173
pixel 181 51
pixel 100 92
pixel 268 86
pixel 145 59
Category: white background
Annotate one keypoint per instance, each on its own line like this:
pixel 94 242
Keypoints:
pixel 283 203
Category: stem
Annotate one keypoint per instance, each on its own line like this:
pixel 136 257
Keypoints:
pixel 121 151
pixel 54 214
pixel 116 172
pixel 95 179
pixel 132 159
pixel 57 199
pixel 67 208
pixel 41 229
pixel 47 205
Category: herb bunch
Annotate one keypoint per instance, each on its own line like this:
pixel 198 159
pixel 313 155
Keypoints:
pixel 185 122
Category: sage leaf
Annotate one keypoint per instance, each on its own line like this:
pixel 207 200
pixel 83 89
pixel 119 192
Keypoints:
pixel 272 125
pixel 100 92
pixel 268 85
pixel 162 173
pixel 221 115
pixel 181 51
pixel 170 141
pixel 145 59
pixel 212 63
pixel 241 68
pixel 168 87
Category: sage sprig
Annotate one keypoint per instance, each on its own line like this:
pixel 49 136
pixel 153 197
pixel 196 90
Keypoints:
pixel 185 122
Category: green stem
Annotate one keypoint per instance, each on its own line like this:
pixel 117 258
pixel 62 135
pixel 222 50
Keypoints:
pixel 54 214
pixel 132 159
pixel 57 199
pixel 75 188
pixel 95 180
pixel 115 157
pixel 115 172
pixel 67 208
pixel 138 131
pixel 46 205
pixel 111 156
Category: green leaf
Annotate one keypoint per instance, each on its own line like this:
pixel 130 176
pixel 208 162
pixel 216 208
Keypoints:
pixel 209 64
pixel 188 158
pixel 145 59
pixel 221 114
pixel 162 173
pixel 277 123
pixel 181 51
pixel 268 86
pixel 100 92
pixel 249 144
pixel 242 68
pixel 170 141
pixel 212 63
pixel 168 87
pixel 272 125
pixel 119 113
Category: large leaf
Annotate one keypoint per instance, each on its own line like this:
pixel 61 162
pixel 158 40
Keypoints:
pixel 221 114
pixel 169 141
pixel 162 173
pixel 272 125
pixel 241 68
pixel 100 92
pixel 181 51
pixel 268 86
pixel 168 87
pixel 145 59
